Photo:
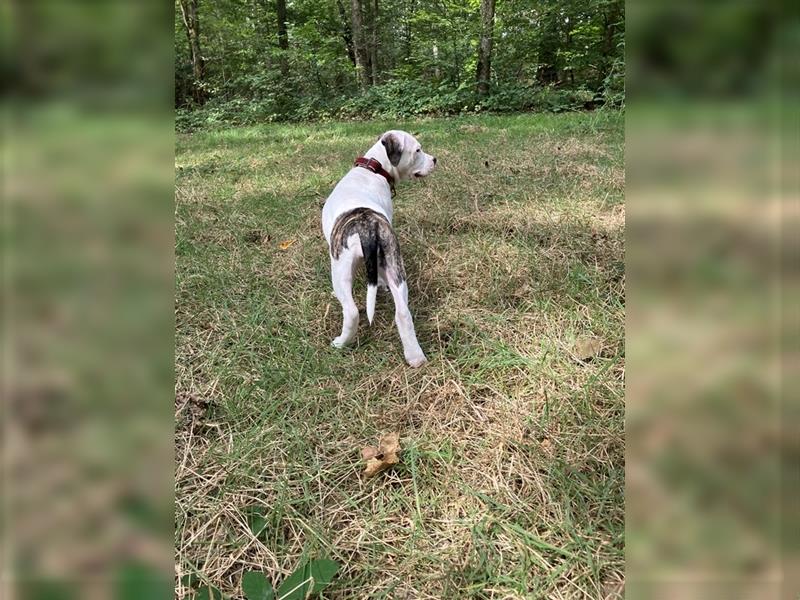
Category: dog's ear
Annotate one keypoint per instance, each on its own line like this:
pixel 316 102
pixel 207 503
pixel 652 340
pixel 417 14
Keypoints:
pixel 394 148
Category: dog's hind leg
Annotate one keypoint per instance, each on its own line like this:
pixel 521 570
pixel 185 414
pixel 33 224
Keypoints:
pixel 382 285
pixel 342 276
pixel 405 324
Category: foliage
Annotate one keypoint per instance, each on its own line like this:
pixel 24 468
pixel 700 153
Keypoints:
pixel 393 100
pixel 256 586
pixel 310 578
pixel 548 55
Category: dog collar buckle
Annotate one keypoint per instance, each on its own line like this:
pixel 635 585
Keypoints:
pixel 370 164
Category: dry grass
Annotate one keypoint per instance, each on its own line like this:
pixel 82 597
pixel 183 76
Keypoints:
pixel 511 477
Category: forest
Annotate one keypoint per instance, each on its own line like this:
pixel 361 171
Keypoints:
pixel 254 61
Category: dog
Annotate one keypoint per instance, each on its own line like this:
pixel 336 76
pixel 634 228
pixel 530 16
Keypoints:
pixel 357 223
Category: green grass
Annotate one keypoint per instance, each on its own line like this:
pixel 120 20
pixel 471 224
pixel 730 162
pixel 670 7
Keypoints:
pixel 512 471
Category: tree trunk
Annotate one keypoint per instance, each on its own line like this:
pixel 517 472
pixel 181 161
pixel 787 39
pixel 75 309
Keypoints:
pixel 407 32
pixel 283 36
pixel 484 71
pixel 192 23
pixel 358 44
pixel 610 22
pixel 547 67
pixel 373 58
pixel 347 32
pixel 456 64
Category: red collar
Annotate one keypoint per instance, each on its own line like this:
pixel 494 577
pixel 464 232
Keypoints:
pixel 370 164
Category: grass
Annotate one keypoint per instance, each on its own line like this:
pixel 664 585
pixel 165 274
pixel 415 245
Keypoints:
pixel 511 477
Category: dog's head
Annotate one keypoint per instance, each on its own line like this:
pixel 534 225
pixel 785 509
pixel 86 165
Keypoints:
pixel 406 155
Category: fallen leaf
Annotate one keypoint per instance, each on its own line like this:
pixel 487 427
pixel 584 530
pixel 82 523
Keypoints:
pixel 587 347
pixel 285 244
pixel 382 457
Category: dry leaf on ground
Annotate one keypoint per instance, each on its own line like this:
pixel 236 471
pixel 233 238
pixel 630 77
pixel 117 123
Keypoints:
pixel 587 347
pixel 285 244
pixel 382 457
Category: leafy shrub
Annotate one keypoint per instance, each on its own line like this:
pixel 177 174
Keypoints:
pixel 393 100
pixel 614 85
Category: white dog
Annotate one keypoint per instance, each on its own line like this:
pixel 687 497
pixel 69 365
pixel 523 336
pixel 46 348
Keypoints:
pixel 357 222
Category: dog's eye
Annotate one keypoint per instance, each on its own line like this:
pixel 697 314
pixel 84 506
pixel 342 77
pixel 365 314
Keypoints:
pixel 418 149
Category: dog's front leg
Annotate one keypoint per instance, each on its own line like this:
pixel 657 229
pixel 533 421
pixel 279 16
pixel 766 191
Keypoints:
pixel 342 278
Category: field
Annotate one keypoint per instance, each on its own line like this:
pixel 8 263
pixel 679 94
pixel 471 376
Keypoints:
pixel 511 480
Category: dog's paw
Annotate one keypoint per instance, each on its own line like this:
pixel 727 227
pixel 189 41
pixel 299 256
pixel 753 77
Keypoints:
pixel 339 342
pixel 416 360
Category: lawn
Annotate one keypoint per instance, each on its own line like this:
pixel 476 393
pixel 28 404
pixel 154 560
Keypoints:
pixel 511 479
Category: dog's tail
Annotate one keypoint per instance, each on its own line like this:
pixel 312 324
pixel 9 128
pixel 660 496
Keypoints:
pixel 370 248
pixel 379 247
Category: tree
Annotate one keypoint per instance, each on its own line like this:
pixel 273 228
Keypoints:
pixel 347 32
pixel 359 44
pixel 484 71
pixel 191 22
pixel 283 36
pixel 373 51
pixel 275 59
pixel 612 21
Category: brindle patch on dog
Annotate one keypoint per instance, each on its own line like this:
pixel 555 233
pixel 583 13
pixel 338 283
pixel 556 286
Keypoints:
pixel 373 229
